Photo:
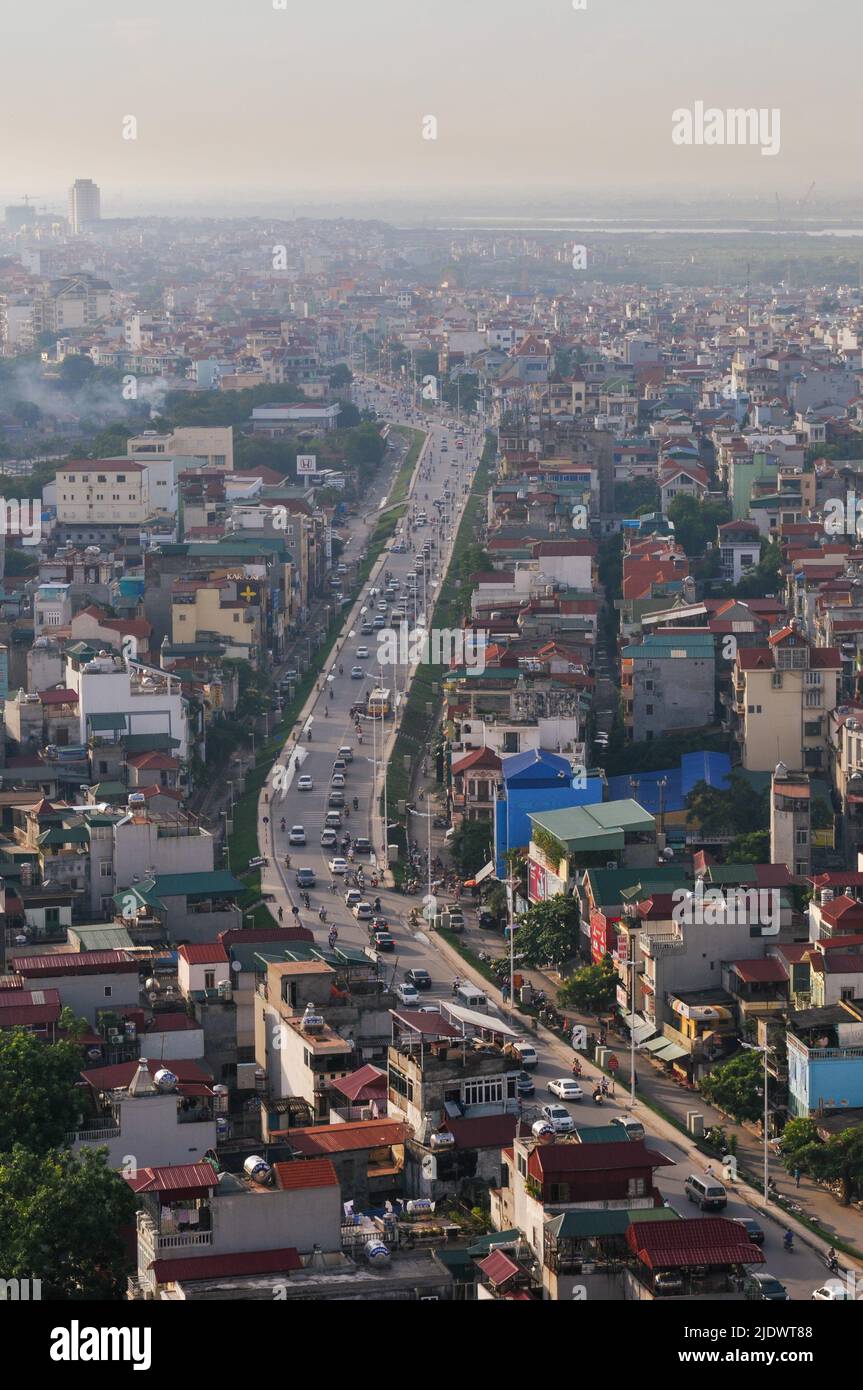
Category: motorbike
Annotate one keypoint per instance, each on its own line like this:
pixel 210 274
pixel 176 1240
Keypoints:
pixel 788 1241
pixel 309 735
pixel 356 803
pixel 831 1262
pixel 597 1097
pixel 322 913
pixel 376 905
pixel 284 823
pixel 576 1069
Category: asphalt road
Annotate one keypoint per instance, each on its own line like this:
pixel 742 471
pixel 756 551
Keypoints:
pixel 801 1271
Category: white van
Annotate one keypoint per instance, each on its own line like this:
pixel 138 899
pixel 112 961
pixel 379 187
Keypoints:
pixel 471 997
pixel 526 1053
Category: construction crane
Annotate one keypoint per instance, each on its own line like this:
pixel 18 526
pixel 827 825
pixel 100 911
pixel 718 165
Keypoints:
pixel 807 195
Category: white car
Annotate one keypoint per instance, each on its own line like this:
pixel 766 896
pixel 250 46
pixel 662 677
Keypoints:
pixel 831 1292
pixel 297 835
pixel 362 653
pixel 362 911
pixel 407 994
pixel 559 1118
pixel 305 783
pixel 353 896
pixel 565 1089
pixel 329 838
pixel 338 865
pixel 337 780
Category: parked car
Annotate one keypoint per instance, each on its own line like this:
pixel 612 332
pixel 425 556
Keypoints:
pixel 306 878
pixel 752 1229
pixel 524 1084
pixel 833 1293
pixel 565 1089
pixel 559 1118
pixel 667 1282
pixel 765 1288
pixel 297 835
pixel 420 979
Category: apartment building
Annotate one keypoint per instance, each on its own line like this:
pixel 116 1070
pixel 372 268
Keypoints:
pixel 783 694
pixel 668 683
pixel 112 491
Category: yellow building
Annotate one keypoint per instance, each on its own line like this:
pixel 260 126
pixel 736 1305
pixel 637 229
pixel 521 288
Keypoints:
pixel 783 695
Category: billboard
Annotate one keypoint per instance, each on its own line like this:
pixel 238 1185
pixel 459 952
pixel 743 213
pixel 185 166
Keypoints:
pixel 306 464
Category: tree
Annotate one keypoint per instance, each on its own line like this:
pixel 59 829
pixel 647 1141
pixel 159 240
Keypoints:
pixel 38 1104
pixel 737 1087
pixel 764 578
pixel 749 849
pixel 472 846
pixel 695 521
pixel 340 375
pixel 838 1160
pixel 548 932
pixel 735 810
pixel 61 1220
pixel 75 371
pixel 592 989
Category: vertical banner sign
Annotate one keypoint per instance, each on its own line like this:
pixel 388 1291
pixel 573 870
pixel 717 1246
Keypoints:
pixel 328 543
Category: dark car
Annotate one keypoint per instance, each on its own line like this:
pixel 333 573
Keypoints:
pixel 752 1229
pixel 362 845
pixel 765 1288
pixel 524 1083
pixel 384 942
pixel 306 878
pixel 488 921
pixel 420 979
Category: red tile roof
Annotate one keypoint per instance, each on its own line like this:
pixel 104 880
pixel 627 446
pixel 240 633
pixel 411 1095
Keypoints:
pixel 84 963
pixel 366 1083
pixel 498 1267
pixel 762 972
pixel 305 1173
pixel 482 1131
pixel 251 1262
pixel 589 1158
pixel 171 1023
pixel 58 697
pixel 203 953
pixel 118 1077
pixel 707 1240
pixel 480 757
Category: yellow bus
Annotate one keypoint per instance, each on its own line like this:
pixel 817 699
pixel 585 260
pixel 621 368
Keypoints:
pixel 378 704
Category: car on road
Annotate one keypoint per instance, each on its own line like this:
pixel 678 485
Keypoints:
pixel 384 941
pixel 352 895
pixel 340 765
pixel 420 979
pixel 362 653
pixel 345 754
pixel 306 878
pixel 338 865
pixel 362 911
pixel 333 820
pixel 406 994
pixel 380 621
pixel 752 1229
pixel 329 839
pixel 337 779
pixel 297 835
pixel 524 1084
pixel 565 1089
pixel 362 845
pixel 835 1292
pixel 367 629
pixel 559 1117
pixel 305 783
pixel 765 1288
pixel 357 673
pixel 634 1129
pixel 335 800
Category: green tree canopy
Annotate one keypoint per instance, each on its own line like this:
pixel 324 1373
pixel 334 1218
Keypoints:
pixel 472 846
pixel 838 1160
pixel 736 810
pixel 695 521
pixel 61 1219
pixel 38 1104
pixel 547 933
pixel 737 1086
pixel 592 989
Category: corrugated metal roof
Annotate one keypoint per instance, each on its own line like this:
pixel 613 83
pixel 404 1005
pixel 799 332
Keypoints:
pixel 174 1177
pixel 342 1138
pixel 707 1240
pixel 498 1267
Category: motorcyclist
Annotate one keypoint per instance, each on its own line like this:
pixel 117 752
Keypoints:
pixel 356 803
pixel 788 1240
pixel 377 905
pixel 322 913
pixel 832 1260
pixel 284 823
pixel 332 694
pixel 309 735
pixel 326 710
pixel 341 669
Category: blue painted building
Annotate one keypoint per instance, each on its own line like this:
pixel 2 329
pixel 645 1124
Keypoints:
pixel 537 781
pixel 825 1061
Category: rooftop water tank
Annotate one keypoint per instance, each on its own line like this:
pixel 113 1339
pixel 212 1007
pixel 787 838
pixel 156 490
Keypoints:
pixel 377 1253
pixel 165 1080
pixel 257 1170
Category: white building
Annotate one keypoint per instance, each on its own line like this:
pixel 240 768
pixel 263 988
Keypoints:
pixel 85 205
pixel 103 490
pixel 172 1122
pixel 136 699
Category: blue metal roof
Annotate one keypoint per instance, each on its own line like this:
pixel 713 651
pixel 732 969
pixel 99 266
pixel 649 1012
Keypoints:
pixel 537 765
pixel 712 768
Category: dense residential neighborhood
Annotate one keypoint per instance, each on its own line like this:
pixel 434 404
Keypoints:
pixel 431 684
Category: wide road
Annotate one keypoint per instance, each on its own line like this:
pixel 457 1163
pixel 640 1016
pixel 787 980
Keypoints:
pixel 444 467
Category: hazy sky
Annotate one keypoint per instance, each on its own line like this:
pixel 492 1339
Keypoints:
pixel 235 97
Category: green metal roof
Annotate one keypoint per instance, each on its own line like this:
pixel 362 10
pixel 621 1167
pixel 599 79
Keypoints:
pixel 106 721
pixel 149 743
pixel 494 1239
pixel 594 827
pixel 575 1225
pixel 660 647
pixel 602 1134
pixel 74 835
pixel 107 938
pixel 151 891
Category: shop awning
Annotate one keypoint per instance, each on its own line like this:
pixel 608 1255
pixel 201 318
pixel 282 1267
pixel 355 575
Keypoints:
pixel 655 1045
pixel 671 1053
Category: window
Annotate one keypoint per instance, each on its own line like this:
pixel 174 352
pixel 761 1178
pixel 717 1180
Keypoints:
pixel 401 1084
pixel 105 869
pixel 813 677
pixel 219 460
pixel 813 699
pixel 635 1187
pixel 52 916
pixel 484 1091
pixel 522 1165
pixel 108 991
pixel 558 1192
pixel 101 478
pixel 801 837
pixel 209 979
pixel 121 477
pixel 648 709
pixel 776 680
